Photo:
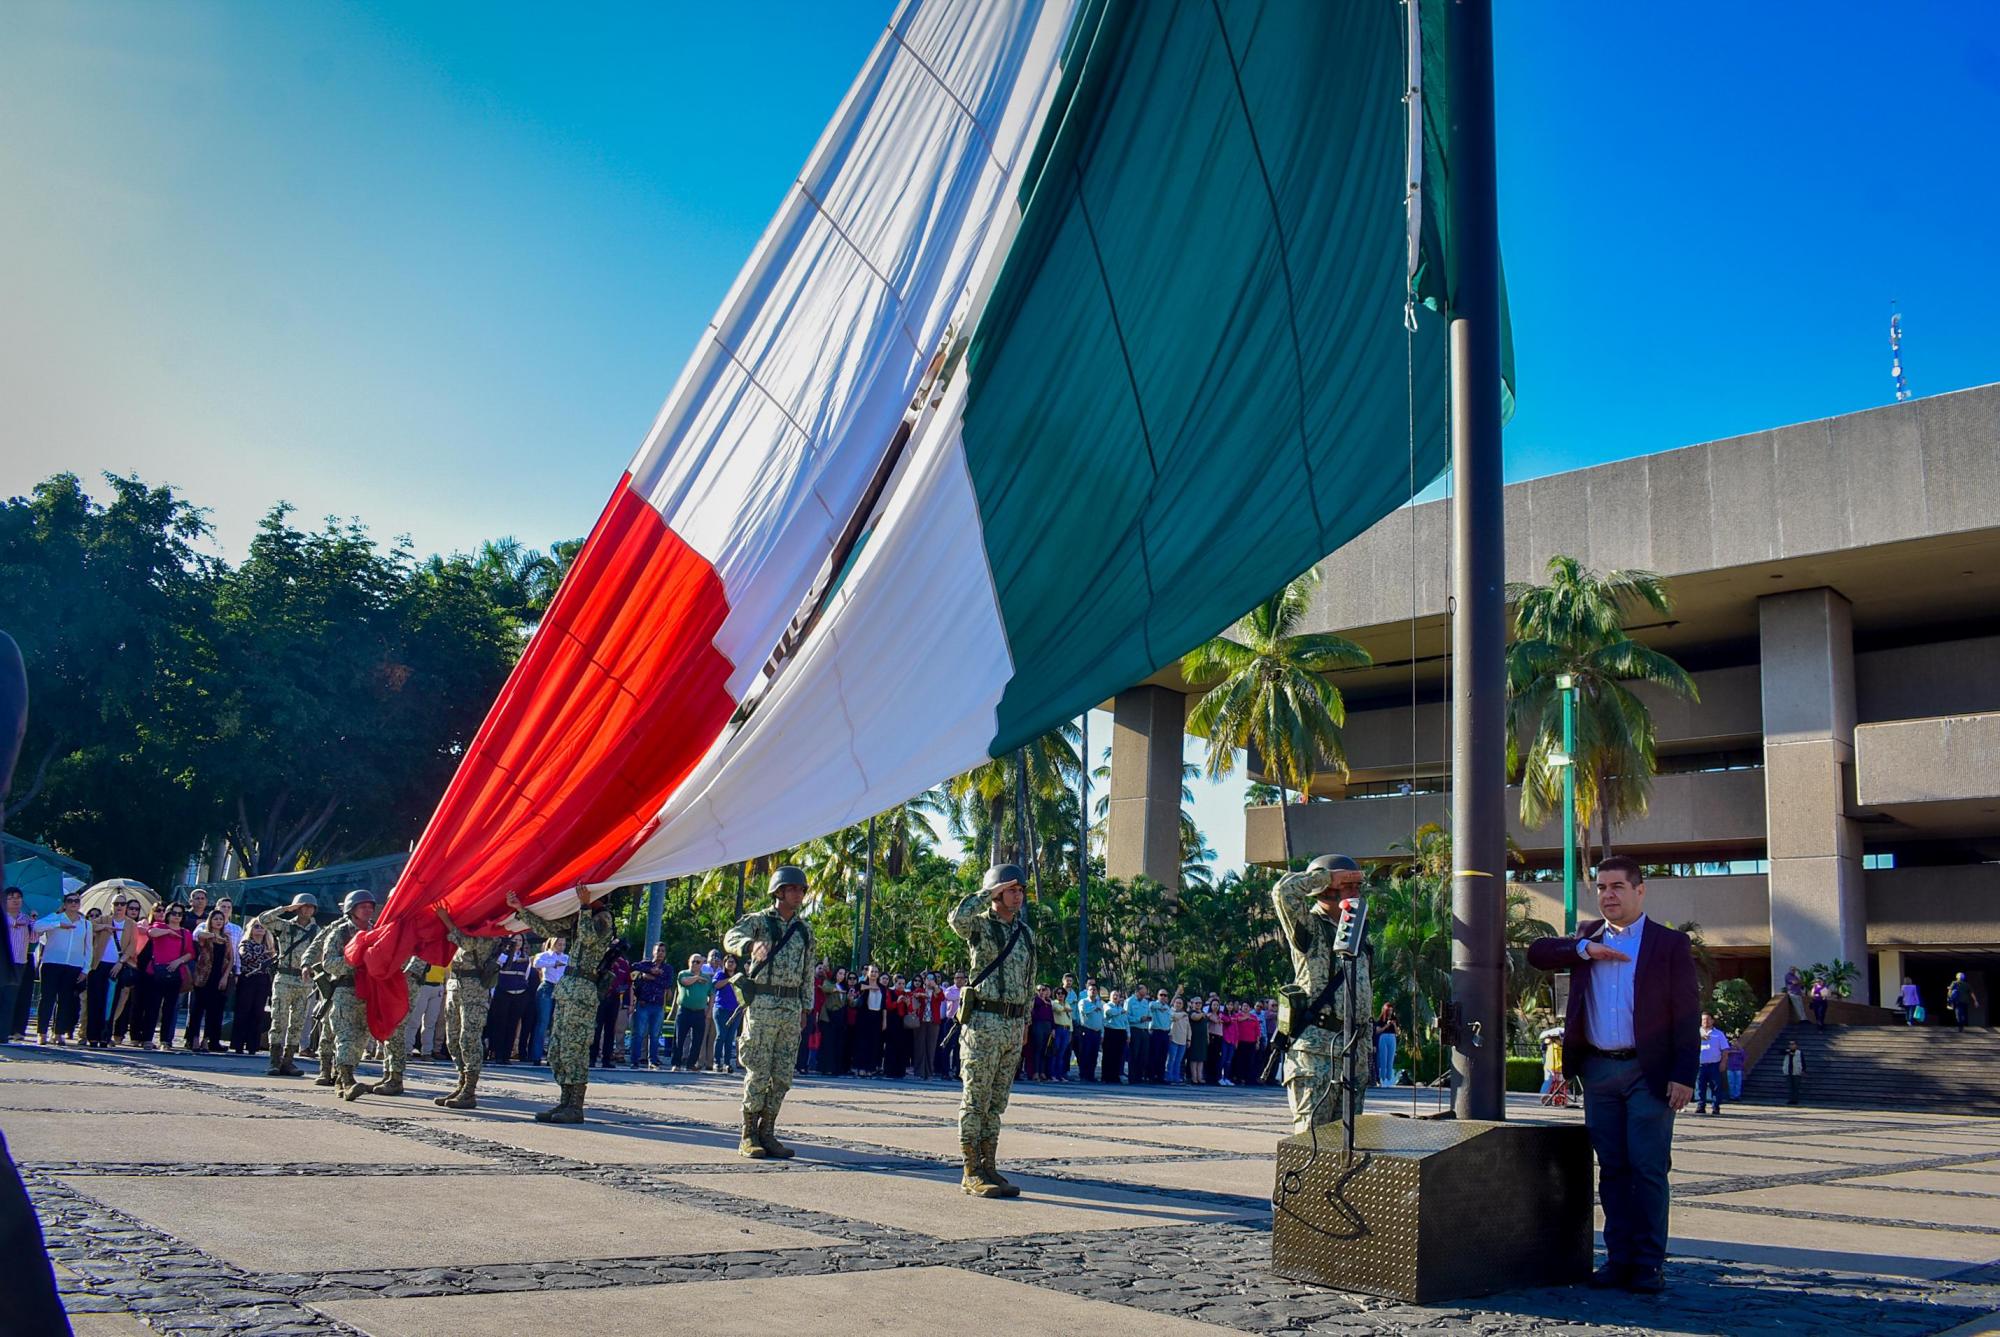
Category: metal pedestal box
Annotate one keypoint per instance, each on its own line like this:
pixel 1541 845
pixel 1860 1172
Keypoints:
pixel 1432 1210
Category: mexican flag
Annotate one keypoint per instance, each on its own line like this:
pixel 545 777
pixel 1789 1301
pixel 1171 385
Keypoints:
pixel 1086 326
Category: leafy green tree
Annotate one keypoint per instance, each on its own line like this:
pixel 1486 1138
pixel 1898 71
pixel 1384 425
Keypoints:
pixel 1265 687
pixel 1575 624
pixel 111 606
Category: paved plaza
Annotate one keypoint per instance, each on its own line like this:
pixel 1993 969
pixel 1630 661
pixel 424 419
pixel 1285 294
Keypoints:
pixel 196 1195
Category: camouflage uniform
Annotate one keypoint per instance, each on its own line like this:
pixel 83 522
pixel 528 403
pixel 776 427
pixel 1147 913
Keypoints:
pixel 291 996
pixel 1312 1066
pixel 772 1022
pixel 575 1014
pixel 349 1019
pixel 323 1039
pixel 475 969
pixel 991 1023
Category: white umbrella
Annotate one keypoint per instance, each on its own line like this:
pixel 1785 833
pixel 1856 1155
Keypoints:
pixel 100 896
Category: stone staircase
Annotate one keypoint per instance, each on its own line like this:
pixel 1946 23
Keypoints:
pixel 1930 1068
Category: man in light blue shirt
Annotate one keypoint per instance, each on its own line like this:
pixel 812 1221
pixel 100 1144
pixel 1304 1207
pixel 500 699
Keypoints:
pixel 1608 1019
pixel 1117 1034
pixel 1088 1014
pixel 1163 1029
pixel 1139 1013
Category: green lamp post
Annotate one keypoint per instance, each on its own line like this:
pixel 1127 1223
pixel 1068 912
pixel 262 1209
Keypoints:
pixel 1566 684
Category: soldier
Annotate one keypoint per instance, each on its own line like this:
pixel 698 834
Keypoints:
pixel 778 943
pixel 589 931
pixel 468 993
pixel 292 932
pixel 396 1049
pixel 319 1016
pixel 1308 907
pixel 992 1010
pixel 347 1015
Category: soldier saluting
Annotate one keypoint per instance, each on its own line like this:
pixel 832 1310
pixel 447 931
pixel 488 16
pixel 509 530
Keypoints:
pixel 778 943
pixel 347 1015
pixel 992 1012
pixel 1308 906
pixel 291 929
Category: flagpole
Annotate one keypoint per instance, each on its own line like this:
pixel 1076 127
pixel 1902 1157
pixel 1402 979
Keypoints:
pixel 1478 775
pixel 1083 859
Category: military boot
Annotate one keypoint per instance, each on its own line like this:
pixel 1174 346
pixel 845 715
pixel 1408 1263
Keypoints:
pixel 452 1094
pixel 465 1098
pixel 287 1068
pixel 752 1144
pixel 390 1086
pixel 350 1087
pixel 326 1077
pixel 988 1151
pixel 549 1115
pixel 767 1124
pixel 974 1180
pixel 571 1110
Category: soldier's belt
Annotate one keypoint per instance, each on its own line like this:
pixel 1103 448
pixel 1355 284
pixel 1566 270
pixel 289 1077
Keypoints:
pixel 783 993
pixel 347 984
pixel 1012 1011
pixel 288 970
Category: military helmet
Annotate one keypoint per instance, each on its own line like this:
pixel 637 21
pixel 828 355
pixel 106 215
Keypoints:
pixel 359 896
pixel 306 898
pixel 1000 874
pixel 787 875
pixel 1333 863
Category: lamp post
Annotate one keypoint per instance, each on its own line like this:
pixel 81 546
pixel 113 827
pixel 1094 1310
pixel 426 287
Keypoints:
pixel 1566 684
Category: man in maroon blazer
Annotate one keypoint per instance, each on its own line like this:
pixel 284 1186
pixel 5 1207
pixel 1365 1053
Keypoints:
pixel 1633 1034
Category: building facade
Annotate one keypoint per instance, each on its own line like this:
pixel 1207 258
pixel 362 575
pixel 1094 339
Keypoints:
pixel 1834 792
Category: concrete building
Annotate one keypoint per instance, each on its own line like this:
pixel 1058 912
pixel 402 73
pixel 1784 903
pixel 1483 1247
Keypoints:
pixel 1836 790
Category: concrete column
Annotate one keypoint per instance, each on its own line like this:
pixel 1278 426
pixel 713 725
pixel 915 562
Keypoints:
pixel 1144 818
pixel 1889 977
pixel 1818 910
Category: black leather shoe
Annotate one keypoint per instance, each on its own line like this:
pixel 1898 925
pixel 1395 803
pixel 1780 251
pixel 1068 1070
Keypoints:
pixel 1646 1281
pixel 1610 1277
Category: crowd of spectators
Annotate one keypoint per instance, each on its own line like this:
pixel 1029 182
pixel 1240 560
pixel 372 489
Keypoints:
pixel 190 973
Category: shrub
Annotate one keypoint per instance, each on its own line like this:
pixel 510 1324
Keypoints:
pixel 1733 1004
pixel 1524 1074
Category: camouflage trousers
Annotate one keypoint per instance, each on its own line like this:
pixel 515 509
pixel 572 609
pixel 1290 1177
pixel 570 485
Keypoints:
pixel 349 1027
pixel 570 1024
pixel 769 1053
pixel 1312 1069
pixel 291 1002
pixel 396 1057
pixel 466 1003
pixel 989 1052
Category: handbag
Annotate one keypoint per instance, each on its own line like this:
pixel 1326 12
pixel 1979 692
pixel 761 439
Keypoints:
pixel 1917 1012
pixel 910 1021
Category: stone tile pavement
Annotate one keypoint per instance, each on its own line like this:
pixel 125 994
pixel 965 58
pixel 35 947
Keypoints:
pixel 193 1195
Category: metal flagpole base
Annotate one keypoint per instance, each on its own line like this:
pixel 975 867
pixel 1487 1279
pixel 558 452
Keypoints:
pixel 1431 1210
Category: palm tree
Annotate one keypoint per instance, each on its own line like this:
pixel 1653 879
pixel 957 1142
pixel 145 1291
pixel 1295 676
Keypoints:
pixel 1197 858
pixel 1575 625
pixel 1266 688
pixel 983 798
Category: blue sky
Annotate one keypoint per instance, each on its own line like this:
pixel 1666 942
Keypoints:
pixel 435 266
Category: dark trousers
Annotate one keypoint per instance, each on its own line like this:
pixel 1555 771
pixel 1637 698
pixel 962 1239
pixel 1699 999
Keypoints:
pixel 1708 1086
pixel 833 1043
pixel 12 979
pixel 510 1028
pixel 1087 1043
pixel 1794 1085
pixel 1059 1053
pixel 1115 1043
pixel 24 994
pixel 246 1030
pixel 604 1040
pixel 1632 1132
pixel 97 1004
pixel 1038 1046
pixel 159 1009
pixel 204 1028
pixel 689 1025
pixel 60 1000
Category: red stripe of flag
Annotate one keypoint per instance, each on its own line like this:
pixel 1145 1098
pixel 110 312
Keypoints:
pixel 620 693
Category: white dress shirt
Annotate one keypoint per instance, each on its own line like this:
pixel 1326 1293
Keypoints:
pixel 65 941
pixel 1607 1012
pixel 552 965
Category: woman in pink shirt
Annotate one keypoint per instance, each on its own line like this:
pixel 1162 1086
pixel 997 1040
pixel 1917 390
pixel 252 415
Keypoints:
pixel 163 974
